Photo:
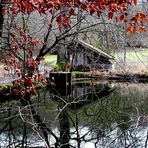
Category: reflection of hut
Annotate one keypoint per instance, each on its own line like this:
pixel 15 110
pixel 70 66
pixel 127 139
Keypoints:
pixel 84 56
pixel 85 93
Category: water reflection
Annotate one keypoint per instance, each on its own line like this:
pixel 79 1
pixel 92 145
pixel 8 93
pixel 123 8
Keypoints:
pixel 94 115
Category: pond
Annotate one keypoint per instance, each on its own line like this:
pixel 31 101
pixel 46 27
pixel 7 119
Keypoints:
pixel 94 114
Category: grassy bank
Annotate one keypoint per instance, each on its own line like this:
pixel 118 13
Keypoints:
pixel 51 59
pixel 133 55
pixel 133 61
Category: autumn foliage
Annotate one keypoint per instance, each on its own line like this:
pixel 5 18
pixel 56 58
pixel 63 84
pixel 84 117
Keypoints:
pixel 91 6
pixel 21 41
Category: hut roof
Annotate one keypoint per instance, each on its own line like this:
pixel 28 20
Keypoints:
pixel 90 47
pixel 86 46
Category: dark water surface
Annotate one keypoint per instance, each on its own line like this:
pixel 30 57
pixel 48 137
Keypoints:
pixel 93 115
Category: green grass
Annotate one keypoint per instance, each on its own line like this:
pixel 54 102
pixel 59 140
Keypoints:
pixel 80 74
pixel 135 61
pixel 133 56
pixel 51 59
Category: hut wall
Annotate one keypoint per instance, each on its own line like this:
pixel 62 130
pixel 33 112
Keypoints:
pixel 88 58
pixel 78 58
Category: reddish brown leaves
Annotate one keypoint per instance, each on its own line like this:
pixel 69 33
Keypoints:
pixel 83 6
pixel 138 19
pixel 30 81
pixel 93 7
pixel 62 21
pixel 142 29
pixel 56 5
pixel 26 85
pixel 59 21
pixel 110 15
pixel 129 31
pixel 133 29
pixel 135 2
pixel 122 17
pixel 72 12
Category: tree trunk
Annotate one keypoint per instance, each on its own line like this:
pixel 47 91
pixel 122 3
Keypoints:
pixel 62 56
pixel 64 128
pixel 1 16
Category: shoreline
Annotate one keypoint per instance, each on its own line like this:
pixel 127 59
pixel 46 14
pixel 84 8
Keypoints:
pixel 110 76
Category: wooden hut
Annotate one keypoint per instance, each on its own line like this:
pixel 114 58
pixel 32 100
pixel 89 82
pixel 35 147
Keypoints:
pixel 84 56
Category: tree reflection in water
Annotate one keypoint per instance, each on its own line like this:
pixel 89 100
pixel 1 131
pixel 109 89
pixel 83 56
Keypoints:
pixel 92 115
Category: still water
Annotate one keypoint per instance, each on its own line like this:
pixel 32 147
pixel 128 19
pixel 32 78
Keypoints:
pixel 94 114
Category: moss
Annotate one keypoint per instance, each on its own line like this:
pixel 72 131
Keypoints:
pixel 60 67
pixel 77 74
pixel 5 87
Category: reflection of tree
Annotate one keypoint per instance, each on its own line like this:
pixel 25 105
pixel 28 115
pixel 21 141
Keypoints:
pixel 64 129
pixel 39 126
pixel 112 122
pixel 11 137
pixel 108 122
pixel 84 96
pixel 16 136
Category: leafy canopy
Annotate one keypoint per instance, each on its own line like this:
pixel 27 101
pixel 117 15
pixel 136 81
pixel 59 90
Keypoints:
pixel 92 6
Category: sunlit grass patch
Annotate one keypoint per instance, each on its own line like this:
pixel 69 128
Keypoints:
pixel 132 60
pixel 51 59
pixel 133 55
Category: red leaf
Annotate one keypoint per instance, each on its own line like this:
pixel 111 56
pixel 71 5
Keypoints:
pixel 121 17
pixel 129 30
pixel 14 10
pixel 142 16
pixel 33 90
pixel 92 10
pixel 23 94
pixel 66 21
pixel 40 77
pixel 67 4
pixel 72 12
pixel 17 65
pixel 22 81
pixel 59 21
pixel 30 50
pixel 142 29
pixel 50 25
pixel 57 5
pixel 135 2
pixel 84 6
pixel 33 63
pixel 59 18
pixel 110 15
pixel 34 42
pixel 125 21
pixel 30 81
pixel 134 29
pixel 50 4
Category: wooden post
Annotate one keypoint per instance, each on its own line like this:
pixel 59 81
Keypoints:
pixel 62 81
